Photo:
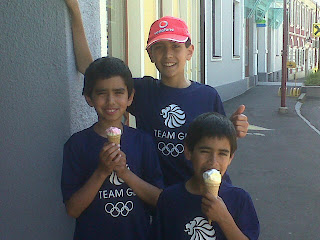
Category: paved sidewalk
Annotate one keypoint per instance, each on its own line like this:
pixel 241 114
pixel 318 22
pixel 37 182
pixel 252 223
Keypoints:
pixel 280 167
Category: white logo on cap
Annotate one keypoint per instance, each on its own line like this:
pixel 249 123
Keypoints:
pixel 163 24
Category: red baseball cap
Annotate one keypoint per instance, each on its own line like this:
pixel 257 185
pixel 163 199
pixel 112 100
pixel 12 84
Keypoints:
pixel 168 28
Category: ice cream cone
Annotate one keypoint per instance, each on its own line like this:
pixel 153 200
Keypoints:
pixel 213 189
pixel 212 180
pixel 115 139
pixel 114 135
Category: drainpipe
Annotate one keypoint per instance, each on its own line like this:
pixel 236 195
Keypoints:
pixel 318 38
pixel 202 41
pixel 283 108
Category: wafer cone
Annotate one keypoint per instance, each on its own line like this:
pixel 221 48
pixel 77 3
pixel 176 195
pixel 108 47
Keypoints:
pixel 115 139
pixel 212 181
pixel 213 189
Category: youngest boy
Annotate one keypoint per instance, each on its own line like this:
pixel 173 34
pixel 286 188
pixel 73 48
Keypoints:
pixel 98 188
pixel 183 210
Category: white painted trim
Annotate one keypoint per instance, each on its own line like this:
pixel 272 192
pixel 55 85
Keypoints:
pixel 167 6
pixel 289 84
pixel 237 29
pixel 297 108
pixel 219 17
pixel 206 44
pixel 217 59
pixel 136 38
pixel 103 29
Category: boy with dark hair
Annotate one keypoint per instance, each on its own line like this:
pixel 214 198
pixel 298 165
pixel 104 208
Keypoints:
pixel 183 210
pixel 165 108
pixel 99 181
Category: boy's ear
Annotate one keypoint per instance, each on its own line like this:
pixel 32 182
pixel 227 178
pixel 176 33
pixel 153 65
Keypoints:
pixel 130 99
pixel 187 152
pixel 89 100
pixel 150 54
pixel 190 50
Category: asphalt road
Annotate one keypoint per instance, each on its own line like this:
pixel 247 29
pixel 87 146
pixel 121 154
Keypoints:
pixel 280 167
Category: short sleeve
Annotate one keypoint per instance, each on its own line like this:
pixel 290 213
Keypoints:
pixel 218 106
pixel 71 178
pixel 247 220
pixel 138 87
pixel 151 171
pixel 157 232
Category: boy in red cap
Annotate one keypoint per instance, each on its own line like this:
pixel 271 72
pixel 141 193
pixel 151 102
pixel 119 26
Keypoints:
pixel 164 108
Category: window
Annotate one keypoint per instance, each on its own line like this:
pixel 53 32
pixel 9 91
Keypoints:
pixel 291 13
pixel 303 17
pixel 290 55
pixel 301 57
pixel 216 28
pixel 294 9
pixel 236 29
pixel 296 56
pixel 298 15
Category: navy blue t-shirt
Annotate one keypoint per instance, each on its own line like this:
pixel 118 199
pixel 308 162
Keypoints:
pixel 166 113
pixel 116 212
pixel 179 215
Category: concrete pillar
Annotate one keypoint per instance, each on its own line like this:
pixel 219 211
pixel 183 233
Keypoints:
pixel 271 53
pixel 262 53
pixel 253 52
pixel 41 106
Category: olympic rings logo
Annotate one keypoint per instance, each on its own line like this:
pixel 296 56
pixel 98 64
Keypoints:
pixel 170 149
pixel 119 208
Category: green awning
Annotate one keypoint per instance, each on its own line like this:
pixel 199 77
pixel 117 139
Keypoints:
pixel 260 8
pixel 275 17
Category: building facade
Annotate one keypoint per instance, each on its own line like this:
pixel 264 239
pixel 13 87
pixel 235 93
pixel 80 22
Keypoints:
pixel 264 38
pixel 302 45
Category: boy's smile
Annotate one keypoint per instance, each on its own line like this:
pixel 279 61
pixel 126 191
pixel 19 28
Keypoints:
pixel 110 100
pixel 170 59
pixel 208 153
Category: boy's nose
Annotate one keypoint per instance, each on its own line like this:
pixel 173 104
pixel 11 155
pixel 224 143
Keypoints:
pixel 168 52
pixel 213 161
pixel 110 98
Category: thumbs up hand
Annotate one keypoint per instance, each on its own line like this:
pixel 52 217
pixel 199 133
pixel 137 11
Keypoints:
pixel 240 121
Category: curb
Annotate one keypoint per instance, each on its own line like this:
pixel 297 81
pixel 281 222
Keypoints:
pixel 302 98
pixel 311 91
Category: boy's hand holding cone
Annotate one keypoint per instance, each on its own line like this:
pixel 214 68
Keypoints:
pixel 212 180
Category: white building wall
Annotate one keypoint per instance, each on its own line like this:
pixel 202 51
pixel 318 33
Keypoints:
pixel 226 73
pixel 274 54
pixel 41 106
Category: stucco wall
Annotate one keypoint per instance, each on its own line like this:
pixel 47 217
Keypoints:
pixel 41 103
pixel 226 74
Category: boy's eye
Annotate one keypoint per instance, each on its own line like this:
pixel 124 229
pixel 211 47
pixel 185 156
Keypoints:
pixel 118 92
pixel 157 47
pixel 223 154
pixel 204 151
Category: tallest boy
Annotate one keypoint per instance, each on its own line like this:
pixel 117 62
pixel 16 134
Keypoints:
pixel 164 108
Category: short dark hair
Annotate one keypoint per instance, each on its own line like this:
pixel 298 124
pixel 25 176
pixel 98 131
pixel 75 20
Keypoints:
pixel 211 125
pixel 104 68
